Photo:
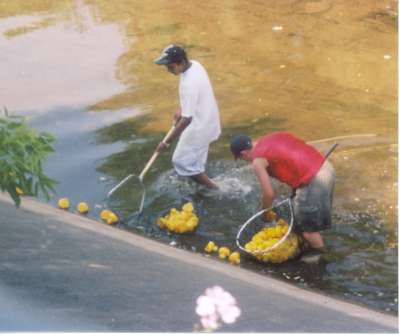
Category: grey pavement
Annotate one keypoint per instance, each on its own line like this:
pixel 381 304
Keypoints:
pixel 63 272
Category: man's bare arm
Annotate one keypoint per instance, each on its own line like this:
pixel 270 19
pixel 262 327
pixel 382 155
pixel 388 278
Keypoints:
pixel 179 128
pixel 260 168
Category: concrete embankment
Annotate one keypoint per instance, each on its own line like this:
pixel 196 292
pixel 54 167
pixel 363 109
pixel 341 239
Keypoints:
pixel 63 272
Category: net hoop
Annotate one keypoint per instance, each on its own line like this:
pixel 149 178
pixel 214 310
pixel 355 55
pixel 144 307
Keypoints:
pixel 255 216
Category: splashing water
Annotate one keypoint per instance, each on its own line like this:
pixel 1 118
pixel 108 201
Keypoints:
pixel 233 182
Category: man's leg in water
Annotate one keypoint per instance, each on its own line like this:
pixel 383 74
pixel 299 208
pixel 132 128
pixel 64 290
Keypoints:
pixel 203 179
pixel 313 248
pixel 314 240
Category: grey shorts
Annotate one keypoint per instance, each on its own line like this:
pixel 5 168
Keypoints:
pixel 312 204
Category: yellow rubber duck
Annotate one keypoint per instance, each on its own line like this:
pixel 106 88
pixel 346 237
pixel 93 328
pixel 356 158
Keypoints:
pixel 161 222
pixel 211 247
pixel 82 207
pixel 188 207
pixel 223 252
pixel 234 258
pixel 104 214
pixel 112 218
pixel 63 203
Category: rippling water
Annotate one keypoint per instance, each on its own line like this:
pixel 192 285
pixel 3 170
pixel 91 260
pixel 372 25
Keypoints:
pixel 83 71
pixel 360 263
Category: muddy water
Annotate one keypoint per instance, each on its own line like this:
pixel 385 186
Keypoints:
pixel 83 70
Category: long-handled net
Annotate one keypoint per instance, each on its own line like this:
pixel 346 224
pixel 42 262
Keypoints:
pixel 138 180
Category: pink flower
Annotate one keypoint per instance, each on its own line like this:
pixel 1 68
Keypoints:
pixel 229 315
pixel 210 322
pixel 205 306
pixel 215 306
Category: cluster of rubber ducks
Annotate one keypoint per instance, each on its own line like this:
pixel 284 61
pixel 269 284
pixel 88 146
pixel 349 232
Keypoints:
pixel 268 237
pixel 184 221
pixel 83 208
pixel 223 252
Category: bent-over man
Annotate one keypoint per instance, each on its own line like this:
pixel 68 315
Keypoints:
pixel 292 161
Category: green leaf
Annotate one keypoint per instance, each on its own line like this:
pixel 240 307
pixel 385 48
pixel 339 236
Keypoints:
pixel 22 152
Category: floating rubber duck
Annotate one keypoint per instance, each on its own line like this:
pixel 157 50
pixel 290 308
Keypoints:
pixel 223 252
pixel 63 203
pixel 234 258
pixel 188 207
pixel 82 207
pixel 211 247
pixel 112 218
pixel 183 221
pixel 104 214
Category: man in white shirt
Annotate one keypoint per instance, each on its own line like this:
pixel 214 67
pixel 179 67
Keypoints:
pixel 197 121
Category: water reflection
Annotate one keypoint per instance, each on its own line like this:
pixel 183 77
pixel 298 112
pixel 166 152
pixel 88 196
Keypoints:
pixel 68 68
pixel 77 155
pixel 67 65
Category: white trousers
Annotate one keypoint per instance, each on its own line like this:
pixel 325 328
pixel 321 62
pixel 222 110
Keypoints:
pixel 189 160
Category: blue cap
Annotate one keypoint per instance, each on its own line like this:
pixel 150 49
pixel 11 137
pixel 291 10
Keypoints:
pixel 240 143
pixel 171 54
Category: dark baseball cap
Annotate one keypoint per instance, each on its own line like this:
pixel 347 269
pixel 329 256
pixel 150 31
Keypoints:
pixel 239 143
pixel 171 54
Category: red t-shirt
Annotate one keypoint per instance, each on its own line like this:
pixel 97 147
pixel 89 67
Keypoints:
pixel 290 160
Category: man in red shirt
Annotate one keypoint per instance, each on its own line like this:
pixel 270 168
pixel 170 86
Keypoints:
pixel 290 160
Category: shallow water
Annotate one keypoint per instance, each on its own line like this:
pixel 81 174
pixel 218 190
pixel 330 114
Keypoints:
pixel 83 71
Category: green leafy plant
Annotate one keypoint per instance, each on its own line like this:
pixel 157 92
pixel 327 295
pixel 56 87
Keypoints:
pixel 22 152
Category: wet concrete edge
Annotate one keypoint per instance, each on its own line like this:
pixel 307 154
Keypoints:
pixel 262 281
